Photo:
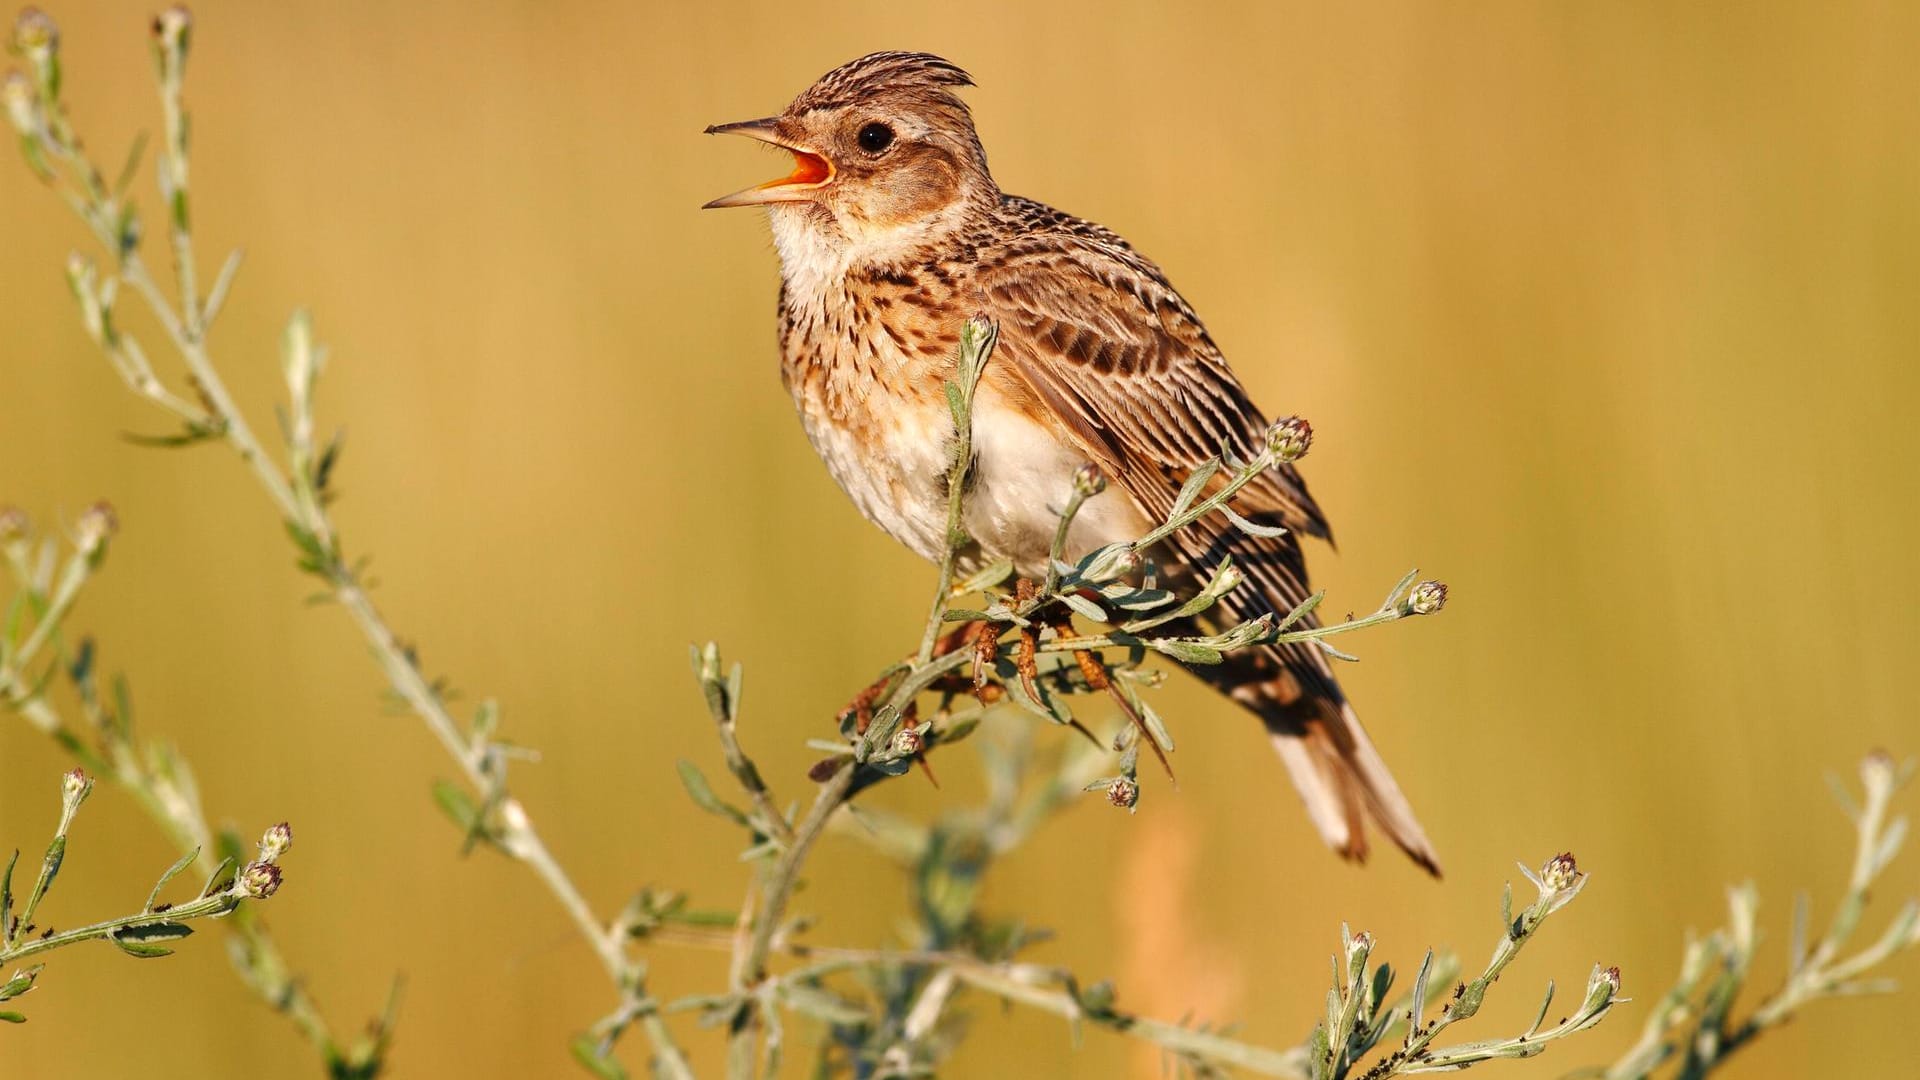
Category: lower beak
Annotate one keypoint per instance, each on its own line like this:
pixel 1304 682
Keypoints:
pixel 811 170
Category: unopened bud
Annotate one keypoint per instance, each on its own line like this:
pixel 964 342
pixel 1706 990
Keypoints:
pixel 36 37
pixel 907 742
pixel 1561 872
pixel 171 30
pixel 1124 793
pixel 275 842
pixel 83 278
pixel 260 880
pixel 1089 481
pixel 95 527
pixel 1602 987
pixel 1879 773
pixel 1290 439
pixel 1427 598
pixel 13 524
pixel 23 107
pixel 75 786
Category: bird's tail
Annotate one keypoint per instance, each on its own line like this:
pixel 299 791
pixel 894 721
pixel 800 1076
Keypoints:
pixel 1339 775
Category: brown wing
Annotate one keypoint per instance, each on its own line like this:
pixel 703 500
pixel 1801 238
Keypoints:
pixel 1094 331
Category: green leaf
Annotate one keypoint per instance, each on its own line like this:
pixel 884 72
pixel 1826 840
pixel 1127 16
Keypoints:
pixel 6 889
pixel 1190 491
pixel 1187 652
pixel 172 872
pixel 21 982
pixel 1301 610
pixel 160 931
pixel 458 805
pixel 821 1005
pixel 956 405
pixel 985 578
pixel 213 879
pixel 702 794
pixel 13 1017
pixel 586 1051
pixel 139 950
pixel 1267 532
pixel 132 166
pixel 36 159
pixel 697 787
pixel 49 869
pixel 1155 726
pixel 1084 606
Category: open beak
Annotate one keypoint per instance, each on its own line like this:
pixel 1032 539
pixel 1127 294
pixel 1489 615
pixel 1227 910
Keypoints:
pixel 811 170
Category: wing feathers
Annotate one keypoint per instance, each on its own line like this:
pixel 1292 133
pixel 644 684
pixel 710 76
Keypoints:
pixel 1095 333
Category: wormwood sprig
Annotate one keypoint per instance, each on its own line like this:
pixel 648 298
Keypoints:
pixel 140 934
pixel 1693 1024
pixel 103 743
pixel 1358 1020
pixel 297 483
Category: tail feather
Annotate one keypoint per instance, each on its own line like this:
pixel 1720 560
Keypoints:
pixel 1341 778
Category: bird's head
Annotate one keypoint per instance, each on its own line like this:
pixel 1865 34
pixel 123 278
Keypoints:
pixel 885 155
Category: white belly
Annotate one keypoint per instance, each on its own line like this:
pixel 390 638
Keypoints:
pixel 1023 478
pixel 895 471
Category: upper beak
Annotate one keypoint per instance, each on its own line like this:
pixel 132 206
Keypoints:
pixel 811 169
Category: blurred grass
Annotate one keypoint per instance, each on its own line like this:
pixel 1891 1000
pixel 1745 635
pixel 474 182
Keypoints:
pixel 1605 315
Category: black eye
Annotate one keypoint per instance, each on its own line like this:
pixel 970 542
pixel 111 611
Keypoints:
pixel 875 138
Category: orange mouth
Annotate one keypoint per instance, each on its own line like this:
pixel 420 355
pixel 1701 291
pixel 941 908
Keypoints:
pixel 811 169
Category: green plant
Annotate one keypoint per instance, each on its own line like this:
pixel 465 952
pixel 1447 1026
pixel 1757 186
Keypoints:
pixel 48 577
pixel 140 934
pixel 881 1011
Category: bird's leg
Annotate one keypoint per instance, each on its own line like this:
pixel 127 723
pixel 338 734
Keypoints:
pixel 862 704
pixel 1027 660
pixel 986 649
pixel 1094 671
pixel 861 707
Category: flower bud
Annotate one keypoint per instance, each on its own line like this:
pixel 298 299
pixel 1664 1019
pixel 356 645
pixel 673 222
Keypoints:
pixel 1602 987
pixel 1880 774
pixel 23 107
pixel 1089 481
pixel 1290 439
pixel 13 524
pixel 1427 598
pixel 907 742
pixel 1124 793
pixel 260 880
pixel 171 30
pixel 75 786
pixel 36 37
pixel 1560 872
pixel 95 527
pixel 275 842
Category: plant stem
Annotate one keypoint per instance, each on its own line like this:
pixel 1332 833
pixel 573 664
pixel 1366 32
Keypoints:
pixel 207 906
pixel 777 892
pixel 977 339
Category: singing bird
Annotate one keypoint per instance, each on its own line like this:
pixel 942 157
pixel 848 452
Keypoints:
pixel 891 232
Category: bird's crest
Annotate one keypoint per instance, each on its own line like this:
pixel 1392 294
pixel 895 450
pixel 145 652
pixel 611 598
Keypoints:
pixel 911 73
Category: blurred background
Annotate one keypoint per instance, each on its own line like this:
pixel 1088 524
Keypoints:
pixel 1604 314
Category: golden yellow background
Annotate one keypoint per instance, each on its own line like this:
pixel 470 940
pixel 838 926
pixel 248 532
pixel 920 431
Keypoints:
pixel 1609 315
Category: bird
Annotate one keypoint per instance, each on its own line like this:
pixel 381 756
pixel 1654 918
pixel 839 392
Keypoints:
pixel 891 233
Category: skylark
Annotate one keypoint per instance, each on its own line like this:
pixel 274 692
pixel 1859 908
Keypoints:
pixel 891 233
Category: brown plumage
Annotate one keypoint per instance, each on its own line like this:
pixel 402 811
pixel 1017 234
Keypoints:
pixel 891 232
